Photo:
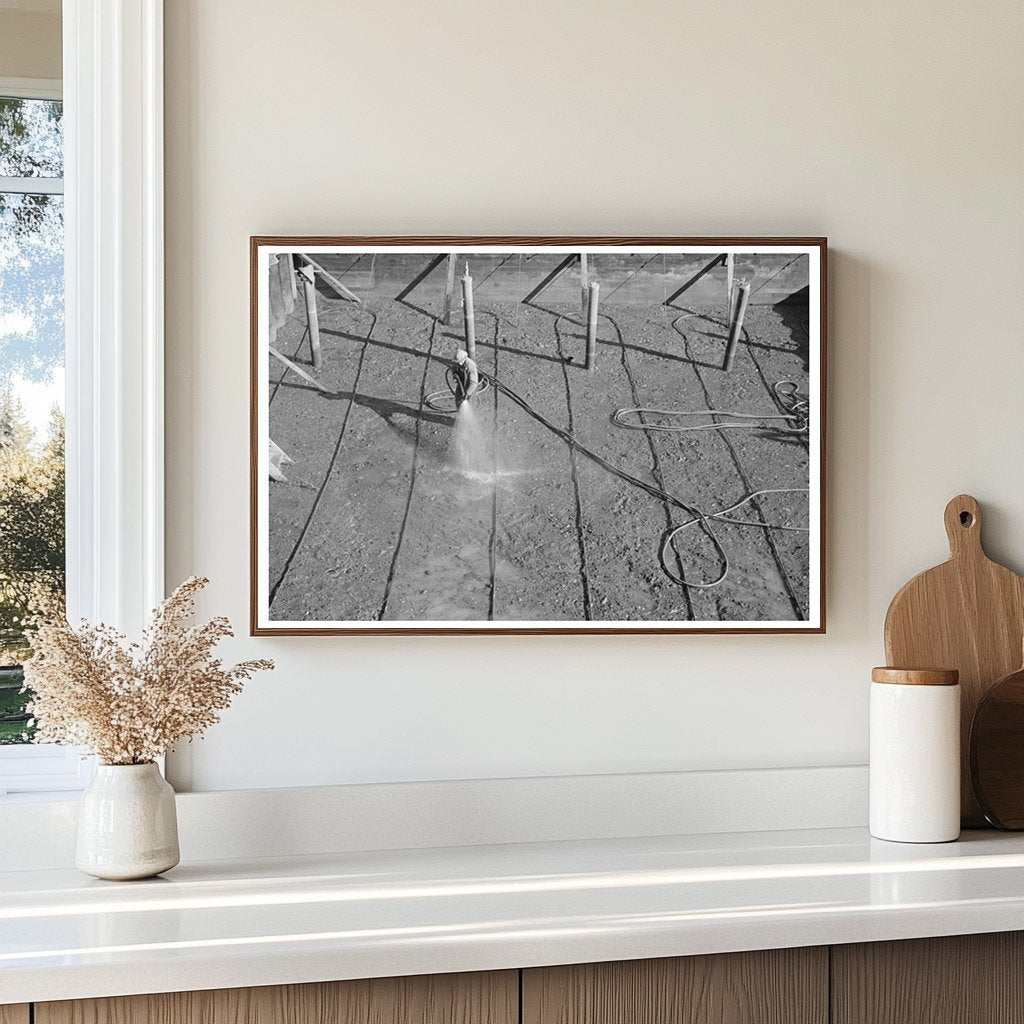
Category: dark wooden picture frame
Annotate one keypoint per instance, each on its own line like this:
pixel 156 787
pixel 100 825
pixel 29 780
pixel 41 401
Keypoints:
pixel 302 262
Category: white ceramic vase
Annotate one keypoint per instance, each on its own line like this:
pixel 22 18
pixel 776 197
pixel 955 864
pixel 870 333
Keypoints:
pixel 127 825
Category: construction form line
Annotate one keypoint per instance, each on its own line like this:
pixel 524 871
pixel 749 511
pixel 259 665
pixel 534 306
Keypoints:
pixel 412 474
pixel 776 556
pixel 574 473
pixel 492 546
pixel 655 461
pixel 330 465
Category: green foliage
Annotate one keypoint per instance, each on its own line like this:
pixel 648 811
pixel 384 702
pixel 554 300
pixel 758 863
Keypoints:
pixel 14 726
pixel 31 542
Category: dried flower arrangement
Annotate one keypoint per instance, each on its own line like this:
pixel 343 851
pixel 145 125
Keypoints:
pixel 130 703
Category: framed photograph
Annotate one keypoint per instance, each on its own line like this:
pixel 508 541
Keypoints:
pixel 537 435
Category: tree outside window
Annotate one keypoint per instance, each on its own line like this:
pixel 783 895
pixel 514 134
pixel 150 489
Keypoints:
pixel 32 544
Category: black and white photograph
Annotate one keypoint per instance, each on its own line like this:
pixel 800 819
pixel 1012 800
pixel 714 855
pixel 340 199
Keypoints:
pixel 543 435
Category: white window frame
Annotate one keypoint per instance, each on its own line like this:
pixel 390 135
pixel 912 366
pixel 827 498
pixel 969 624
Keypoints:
pixel 32 88
pixel 113 222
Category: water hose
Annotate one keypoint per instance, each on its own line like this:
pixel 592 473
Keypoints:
pixel 698 517
pixel 439 400
pixel 787 395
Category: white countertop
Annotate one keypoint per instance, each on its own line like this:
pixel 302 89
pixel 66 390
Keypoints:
pixel 351 915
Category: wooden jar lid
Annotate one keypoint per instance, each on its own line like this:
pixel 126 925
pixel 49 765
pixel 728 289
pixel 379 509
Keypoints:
pixel 916 676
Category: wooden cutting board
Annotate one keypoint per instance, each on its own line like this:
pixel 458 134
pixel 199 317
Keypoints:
pixel 967 614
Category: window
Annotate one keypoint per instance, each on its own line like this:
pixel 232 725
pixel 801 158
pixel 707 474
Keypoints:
pixel 111 206
pixel 32 516
pixel 31 383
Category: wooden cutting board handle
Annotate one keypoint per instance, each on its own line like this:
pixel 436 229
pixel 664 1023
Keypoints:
pixel 967 614
pixel 963 527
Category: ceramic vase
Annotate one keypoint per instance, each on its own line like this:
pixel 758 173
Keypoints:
pixel 127 825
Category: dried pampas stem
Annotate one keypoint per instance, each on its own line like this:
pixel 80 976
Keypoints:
pixel 129 703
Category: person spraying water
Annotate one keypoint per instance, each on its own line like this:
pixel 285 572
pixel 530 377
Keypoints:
pixel 468 445
pixel 471 449
pixel 466 378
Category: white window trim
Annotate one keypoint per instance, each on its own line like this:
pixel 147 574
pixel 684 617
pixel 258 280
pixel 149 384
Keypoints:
pixel 32 88
pixel 113 170
pixel 42 768
pixel 32 186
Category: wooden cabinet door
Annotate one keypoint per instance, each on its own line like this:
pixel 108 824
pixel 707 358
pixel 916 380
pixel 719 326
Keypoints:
pixel 777 986
pixel 961 979
pixel 490 998
pixel 14 1014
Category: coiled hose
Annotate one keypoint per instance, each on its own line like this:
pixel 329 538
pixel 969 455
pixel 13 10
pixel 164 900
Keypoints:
pixel 786 392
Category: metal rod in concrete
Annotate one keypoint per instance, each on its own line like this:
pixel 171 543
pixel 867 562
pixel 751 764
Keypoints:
pixel 584 283
pixel 449 288
pixel 467 309
pixel 742 294
pixel 292 283
pixel 592 324
pixel 308 275
pixel 730 271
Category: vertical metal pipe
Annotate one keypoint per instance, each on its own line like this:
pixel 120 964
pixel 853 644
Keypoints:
pixel 467 308
pixel 449 288
pixel 292 283
pixel 742 294
pixel 730 271
pixel 584 283
pixel 308 275
pixel 592 324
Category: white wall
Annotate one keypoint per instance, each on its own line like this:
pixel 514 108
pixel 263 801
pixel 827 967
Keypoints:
pixel 30 40
pixel 895 129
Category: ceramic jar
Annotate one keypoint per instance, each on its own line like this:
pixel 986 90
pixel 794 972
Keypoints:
pixel 127 824
pixel 915 755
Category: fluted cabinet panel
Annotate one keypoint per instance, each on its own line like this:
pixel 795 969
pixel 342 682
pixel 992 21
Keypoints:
pixel 960 979
pixel 482 998
pixel 778 986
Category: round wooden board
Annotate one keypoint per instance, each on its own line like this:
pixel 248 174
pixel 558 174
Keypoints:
pixel 997 753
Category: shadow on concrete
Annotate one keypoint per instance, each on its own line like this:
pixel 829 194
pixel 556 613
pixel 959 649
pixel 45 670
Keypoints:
pixel 717 261
pixel 401 297
pixel 386 408
pixel 795 312
pixel 564 265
